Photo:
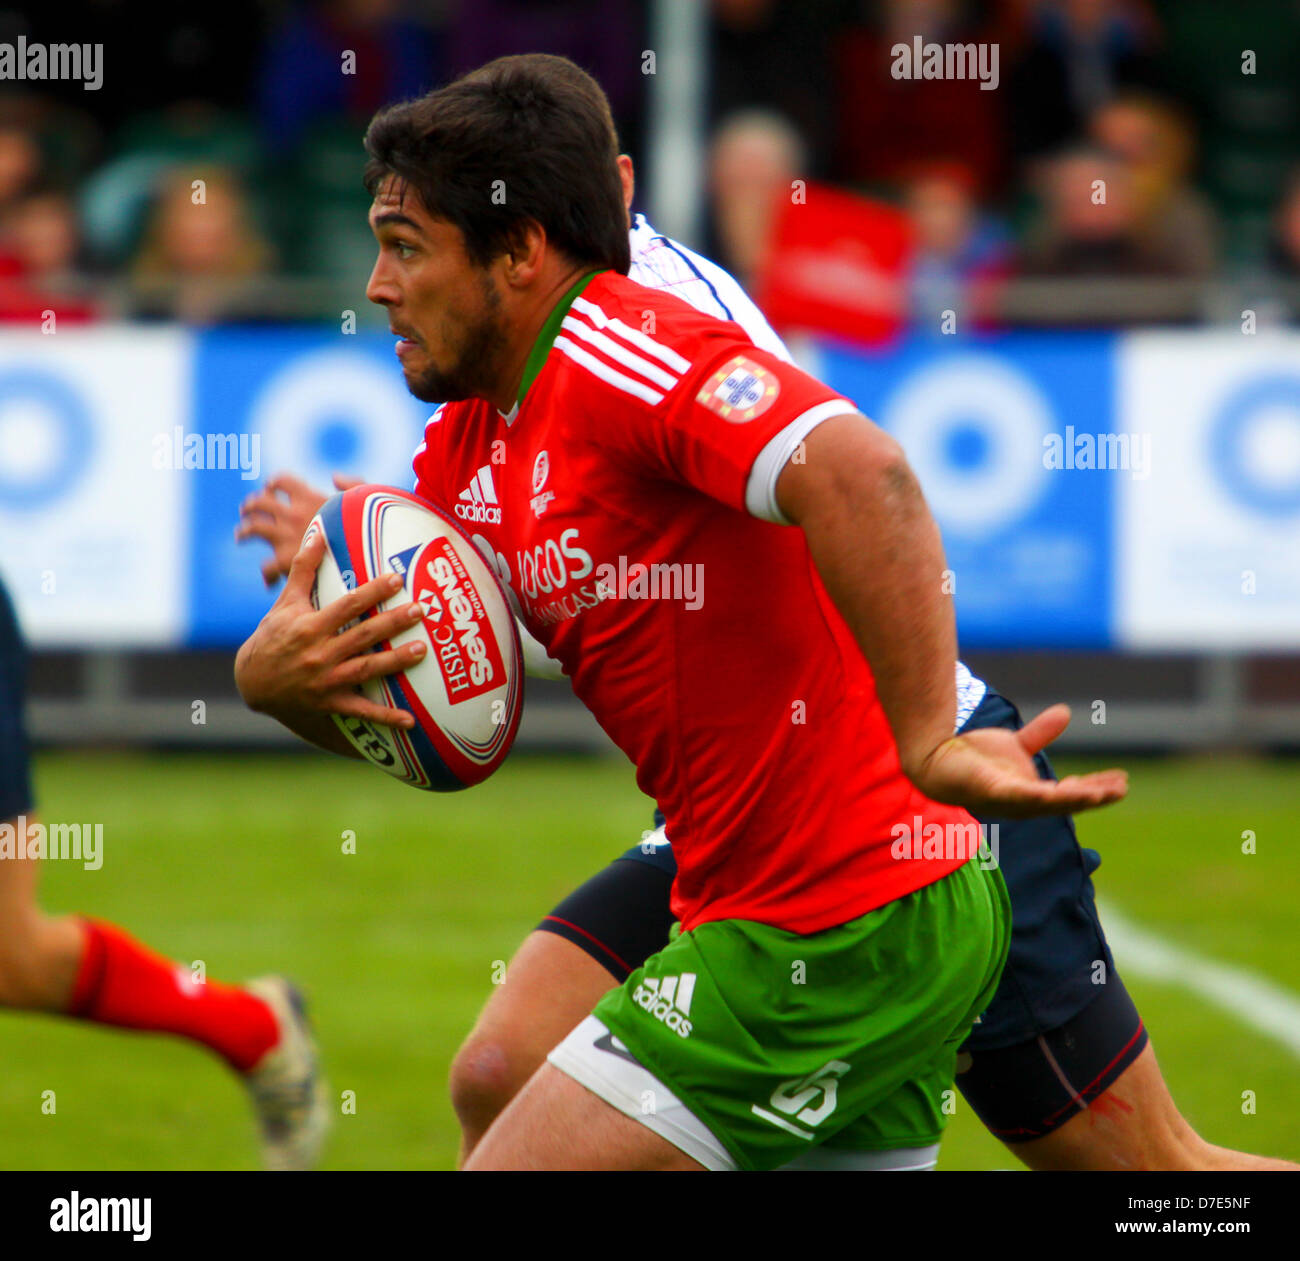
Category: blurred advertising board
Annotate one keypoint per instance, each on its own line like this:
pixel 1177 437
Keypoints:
pixel 1128 491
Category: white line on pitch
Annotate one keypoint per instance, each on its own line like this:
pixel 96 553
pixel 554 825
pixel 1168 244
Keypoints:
pixel 1256 1001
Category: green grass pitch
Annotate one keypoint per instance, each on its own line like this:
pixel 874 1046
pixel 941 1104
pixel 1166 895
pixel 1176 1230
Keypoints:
pixel 239 861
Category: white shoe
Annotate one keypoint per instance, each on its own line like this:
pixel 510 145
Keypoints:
pixel 289 1093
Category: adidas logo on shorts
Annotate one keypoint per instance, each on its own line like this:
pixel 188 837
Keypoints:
pixel 668 998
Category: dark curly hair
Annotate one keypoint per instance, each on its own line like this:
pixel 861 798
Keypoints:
pixel 521 139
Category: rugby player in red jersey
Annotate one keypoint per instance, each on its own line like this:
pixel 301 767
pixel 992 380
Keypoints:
pixel 819 980
pixel 1059 1067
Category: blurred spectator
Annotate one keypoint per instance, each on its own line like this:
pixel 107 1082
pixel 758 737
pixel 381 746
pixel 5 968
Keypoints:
pixel 1155 144
pixel 305 79
pixel 20 163
pixel 115 199
pixel 885 124
pixel 754 158
pixel 797 89
pixel 41 232
pixel 200 259
pixel 40 253
pixel 1284 251
pixel 776 55
pixel 1234 68
pixel 1090 224
pixel 1079 54
pixel 958 252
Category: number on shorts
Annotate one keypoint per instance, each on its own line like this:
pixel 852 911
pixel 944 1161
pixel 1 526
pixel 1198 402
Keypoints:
pixel 791 1097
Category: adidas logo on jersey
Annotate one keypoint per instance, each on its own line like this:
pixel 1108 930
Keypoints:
pixel 478 502
pixel 668 998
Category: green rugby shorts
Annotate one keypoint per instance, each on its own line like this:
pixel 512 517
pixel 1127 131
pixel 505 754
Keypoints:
pixel 778 1042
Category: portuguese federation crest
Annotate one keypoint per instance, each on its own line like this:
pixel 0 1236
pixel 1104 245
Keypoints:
pixel 740 390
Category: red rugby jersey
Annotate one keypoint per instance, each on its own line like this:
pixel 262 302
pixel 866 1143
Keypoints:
pixel 628 501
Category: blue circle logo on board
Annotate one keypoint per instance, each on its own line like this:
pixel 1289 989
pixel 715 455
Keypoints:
pixel 1254 445
pixel 972 428
pixel 46 438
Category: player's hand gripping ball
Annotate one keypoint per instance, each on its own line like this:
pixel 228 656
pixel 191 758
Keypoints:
pixel 467 692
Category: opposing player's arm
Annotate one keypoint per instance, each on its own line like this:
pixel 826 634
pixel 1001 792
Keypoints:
pixel 878 551
pixel 279 514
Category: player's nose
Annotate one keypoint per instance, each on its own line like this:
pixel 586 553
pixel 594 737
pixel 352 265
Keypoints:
pixel 380 288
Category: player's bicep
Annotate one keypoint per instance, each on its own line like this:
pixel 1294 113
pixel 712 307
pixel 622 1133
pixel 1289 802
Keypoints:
pixel 842 463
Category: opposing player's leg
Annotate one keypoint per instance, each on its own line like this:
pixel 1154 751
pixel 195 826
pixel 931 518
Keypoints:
pixel 1090 1095
pixel 93 971
pixel 550 985
pixel 1135 1125
pixel 1060 1068
pixel 591 942
pixel 40 955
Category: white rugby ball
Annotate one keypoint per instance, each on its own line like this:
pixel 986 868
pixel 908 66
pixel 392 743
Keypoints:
pixel 467 692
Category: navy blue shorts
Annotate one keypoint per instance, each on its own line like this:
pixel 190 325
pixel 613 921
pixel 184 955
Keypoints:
pixel 1061 1027
pixel 15 779
pixel 1057 946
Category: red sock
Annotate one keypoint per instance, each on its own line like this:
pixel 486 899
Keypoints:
pixel 121 982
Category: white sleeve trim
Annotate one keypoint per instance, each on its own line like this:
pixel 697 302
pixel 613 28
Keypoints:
pixel 971 691
pixel 760 490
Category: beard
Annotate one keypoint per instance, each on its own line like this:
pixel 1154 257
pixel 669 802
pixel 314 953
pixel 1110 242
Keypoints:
pixel 482 341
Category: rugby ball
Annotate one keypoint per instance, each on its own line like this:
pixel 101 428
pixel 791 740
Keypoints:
pixel 466 693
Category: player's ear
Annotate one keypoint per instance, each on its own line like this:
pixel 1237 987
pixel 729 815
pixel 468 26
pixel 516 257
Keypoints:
pixel 628 177
pixel 525 249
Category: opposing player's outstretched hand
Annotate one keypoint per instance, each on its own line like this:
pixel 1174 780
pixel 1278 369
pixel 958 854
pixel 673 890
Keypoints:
pixel 991 772
pixel 300 661
pixel 279 514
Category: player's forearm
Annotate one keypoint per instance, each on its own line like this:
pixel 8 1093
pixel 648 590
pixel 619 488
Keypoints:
pixel 878 551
